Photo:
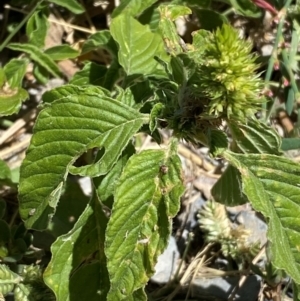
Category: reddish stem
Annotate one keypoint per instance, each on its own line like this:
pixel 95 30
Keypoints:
pixel 267 6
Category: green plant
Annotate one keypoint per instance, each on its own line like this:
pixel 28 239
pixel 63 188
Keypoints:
pixel 154 81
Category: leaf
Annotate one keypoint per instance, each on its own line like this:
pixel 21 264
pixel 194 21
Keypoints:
pixel 11 100
pixel 246 8
pixel 139 227
pixel 150 17
pixel 78 255
pixel 41 74
pixel 37 27
pixel 255 137
pixel 210 19
pixel 15 70
pixel 112 75
pixel 61 52
pixel 138 46
pixel 132 7
pixel 168 13
pixel 290 143
pixel 218 142
pixel 228 188
pixel 67 90
pixel 100 39
pixel 90 74
pixel 174 11
pixel 71 5
pixel 78 120
pixel 38 56
pixel 271 184
pixel 154 115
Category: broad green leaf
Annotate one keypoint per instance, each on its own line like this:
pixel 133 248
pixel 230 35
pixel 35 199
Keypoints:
pixel 228 189
pixel 90 74
pixel 71 5
pixel 210 19
pixel 138 46
pixel 132 7
pixel 100 39
pixel 37 55
pixel 37 27
pixel 15 70
pixel 246 8
pixel 11 100
pixel 290 143
pixel 66 215
pixel 77 270
pixel 61 52
pixel 255 137
pixel 271 184
pixel 67 90
pixel 146 198
pixel 80 119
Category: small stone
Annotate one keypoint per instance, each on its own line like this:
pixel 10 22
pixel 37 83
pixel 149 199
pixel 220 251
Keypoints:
pixel 167 263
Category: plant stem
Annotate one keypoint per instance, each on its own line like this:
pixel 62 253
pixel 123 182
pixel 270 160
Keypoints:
pixel 11 35
pixel 272 61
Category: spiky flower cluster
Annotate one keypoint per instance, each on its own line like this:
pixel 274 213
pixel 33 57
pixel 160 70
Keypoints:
pixel 226 74
pixel 215 223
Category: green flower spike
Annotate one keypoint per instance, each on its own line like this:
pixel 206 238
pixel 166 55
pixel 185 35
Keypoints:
pixel 226 74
